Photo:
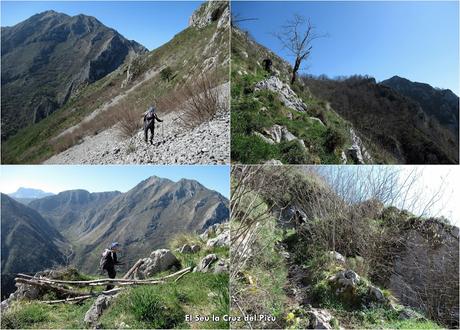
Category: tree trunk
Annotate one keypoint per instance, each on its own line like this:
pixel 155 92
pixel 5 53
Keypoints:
pixel 296 67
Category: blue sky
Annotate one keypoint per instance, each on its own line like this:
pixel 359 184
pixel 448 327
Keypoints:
pixel 151 23
pixel 57 178
pixel 418 40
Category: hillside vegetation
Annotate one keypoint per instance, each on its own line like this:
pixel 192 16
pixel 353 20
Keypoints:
pixel 310 259
pixel 123 95
pixel 157 306
pixel 317 120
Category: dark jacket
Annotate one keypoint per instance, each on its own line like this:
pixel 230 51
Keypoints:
pixel 109 260
pixel 149 118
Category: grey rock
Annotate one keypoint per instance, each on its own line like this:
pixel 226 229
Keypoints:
pixel 196 248
pixel 205 264
pixel 357 152
pixel 376 294
pixel 319 318
pixel 287 96
pixel 337 257
pixel 222 239
pixel 186 249
pixel 159 261
pixel 97 308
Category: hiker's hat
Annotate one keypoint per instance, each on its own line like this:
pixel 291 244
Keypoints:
pixel 114 245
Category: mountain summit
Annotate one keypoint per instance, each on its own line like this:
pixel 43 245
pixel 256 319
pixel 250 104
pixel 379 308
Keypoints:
pixel 47 58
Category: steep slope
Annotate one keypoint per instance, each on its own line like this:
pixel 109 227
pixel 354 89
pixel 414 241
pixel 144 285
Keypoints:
pixel 396 123
pixel 142 219
pixel 200 49
pixel 47 58
pixel 29 242
pixel 66 210
pixel 275 121
pixel 442 104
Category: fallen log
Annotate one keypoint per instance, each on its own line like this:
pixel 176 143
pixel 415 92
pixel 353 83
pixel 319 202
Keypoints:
pixel 79 298
pixel 182 275
pixel 133 269
pixel 105 281
pixel 50 286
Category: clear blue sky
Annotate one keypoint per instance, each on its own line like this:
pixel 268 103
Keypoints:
pixel 151 23
pixel 96 178
pixel 418 40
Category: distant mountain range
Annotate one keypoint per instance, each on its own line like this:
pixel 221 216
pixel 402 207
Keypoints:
pixel 441 104
pixel 26 195
pixel 50 56
pixel 77 225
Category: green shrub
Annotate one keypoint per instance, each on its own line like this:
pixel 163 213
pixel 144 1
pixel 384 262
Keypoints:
pixel 335 138
pixel 252 149
pixel 293 152
pixel 166 74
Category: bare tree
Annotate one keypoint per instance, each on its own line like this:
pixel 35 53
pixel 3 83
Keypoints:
pixel 297 37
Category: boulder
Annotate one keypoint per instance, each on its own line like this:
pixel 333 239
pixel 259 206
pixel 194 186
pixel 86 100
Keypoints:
pixel 287 96
pixel 186 249
pixel 376 294
pixel 345 283
pixel 205 264
pixel 159 261
pixel 319 318
pixel 196 248
pixel 97 308
pixel 222 239
pixel 337 257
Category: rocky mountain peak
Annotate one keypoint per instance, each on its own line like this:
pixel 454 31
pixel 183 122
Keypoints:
pixel 209 12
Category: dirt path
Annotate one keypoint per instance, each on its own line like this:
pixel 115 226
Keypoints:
pixel 209 143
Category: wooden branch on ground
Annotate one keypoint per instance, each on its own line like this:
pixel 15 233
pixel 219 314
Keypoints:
pixel 74 300
pixel 182 275
pixel 133 269
pixel 101 282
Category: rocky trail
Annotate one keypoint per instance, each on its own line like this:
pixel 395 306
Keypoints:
pixel 208 143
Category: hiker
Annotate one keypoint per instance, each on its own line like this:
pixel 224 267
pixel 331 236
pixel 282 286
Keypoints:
pixel 108 262
pixel 267 63
pixel 149 123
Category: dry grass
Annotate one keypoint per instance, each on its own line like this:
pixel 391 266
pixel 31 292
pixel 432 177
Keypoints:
pixel 129 122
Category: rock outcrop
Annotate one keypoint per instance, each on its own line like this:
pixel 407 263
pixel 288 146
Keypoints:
pixel 358 152
pixel 159 261
pixel 97 308
pixel 287 96
pixel 209 12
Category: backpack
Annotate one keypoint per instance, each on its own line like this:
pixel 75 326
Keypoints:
pixel 150 113
pixel 103 260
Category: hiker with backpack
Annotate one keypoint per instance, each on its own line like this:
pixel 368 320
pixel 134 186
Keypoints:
pixel 109 261
pixel 149 123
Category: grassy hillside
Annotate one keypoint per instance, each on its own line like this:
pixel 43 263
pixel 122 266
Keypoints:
pixel 143 307
pixel 186 55
pixel 254 111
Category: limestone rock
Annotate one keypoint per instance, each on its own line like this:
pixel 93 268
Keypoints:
pixel 159 261
pixel 222 239
pixel 357 152
pixel 205 264
pixel 186 248
pixel 222 266
pixel 97 308
pixel 337 257
pixel 287 96
pixel 319 318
